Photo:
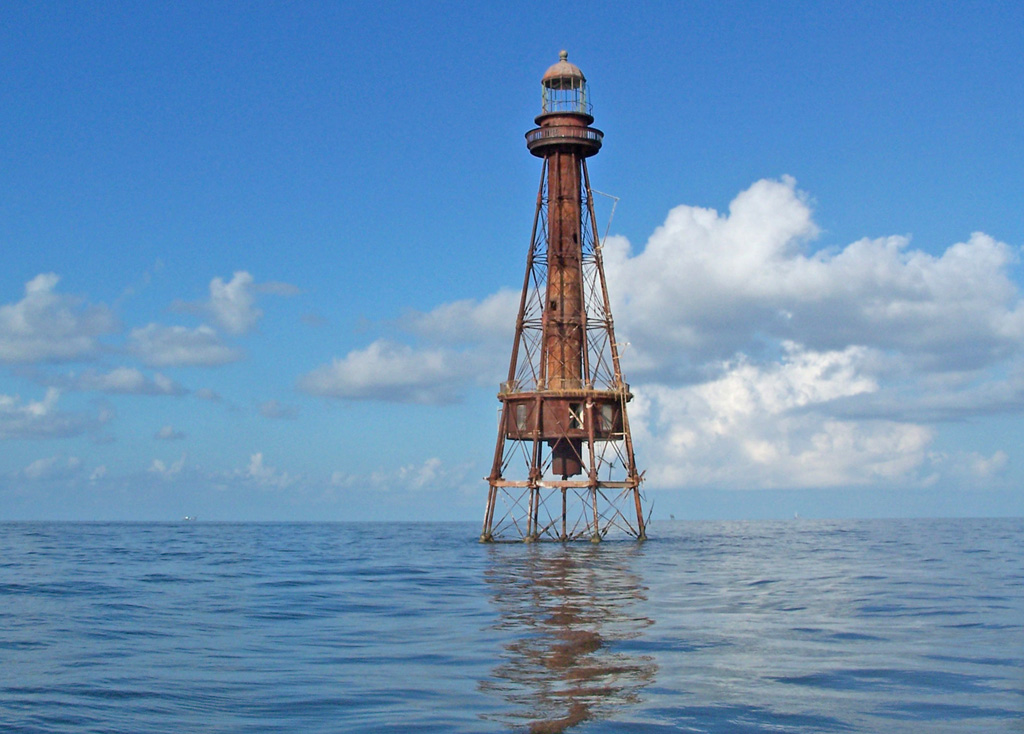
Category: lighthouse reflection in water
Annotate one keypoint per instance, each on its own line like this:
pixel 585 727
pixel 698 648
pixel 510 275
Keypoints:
pixel 567 616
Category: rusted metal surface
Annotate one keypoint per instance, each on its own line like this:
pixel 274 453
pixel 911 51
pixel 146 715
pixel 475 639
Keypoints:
pixel 564 467
pixel 541 140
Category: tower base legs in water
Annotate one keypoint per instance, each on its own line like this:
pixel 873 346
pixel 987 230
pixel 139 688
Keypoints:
pixel 562 514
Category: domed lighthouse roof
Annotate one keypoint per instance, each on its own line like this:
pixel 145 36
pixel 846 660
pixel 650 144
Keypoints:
pixel 563 75
pixel 565 89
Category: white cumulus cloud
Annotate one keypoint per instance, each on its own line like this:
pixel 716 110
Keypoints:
pixel 128 381
pixel 176 346
pixel 167 471
pixel 386 370
pixel 770 426
pixel 708 285
pixel 232 304
pixel 466 342
pixel 468 321
pixel 49 326
pixel 972 469
pixel 430 474
pixel 264 475
pixel 41 418
pixel 53 467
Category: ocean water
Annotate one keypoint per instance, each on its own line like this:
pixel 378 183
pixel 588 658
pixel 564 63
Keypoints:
pixel 794 626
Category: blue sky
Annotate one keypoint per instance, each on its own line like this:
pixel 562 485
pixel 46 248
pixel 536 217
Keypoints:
pixel 259 262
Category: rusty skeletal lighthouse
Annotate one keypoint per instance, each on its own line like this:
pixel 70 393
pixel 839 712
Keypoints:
pixel 564 467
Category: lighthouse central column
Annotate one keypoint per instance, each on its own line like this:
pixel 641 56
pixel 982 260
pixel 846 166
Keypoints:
pixel 564 339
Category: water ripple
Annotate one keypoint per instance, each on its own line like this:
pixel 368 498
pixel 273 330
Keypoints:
pixel 795 627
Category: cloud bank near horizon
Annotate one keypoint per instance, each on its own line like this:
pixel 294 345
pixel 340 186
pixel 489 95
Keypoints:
pixel 758 361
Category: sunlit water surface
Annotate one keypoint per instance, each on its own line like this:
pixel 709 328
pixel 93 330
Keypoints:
pixel 799 626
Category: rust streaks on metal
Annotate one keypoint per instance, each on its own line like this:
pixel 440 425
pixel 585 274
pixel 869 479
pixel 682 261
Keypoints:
pixel 564 404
